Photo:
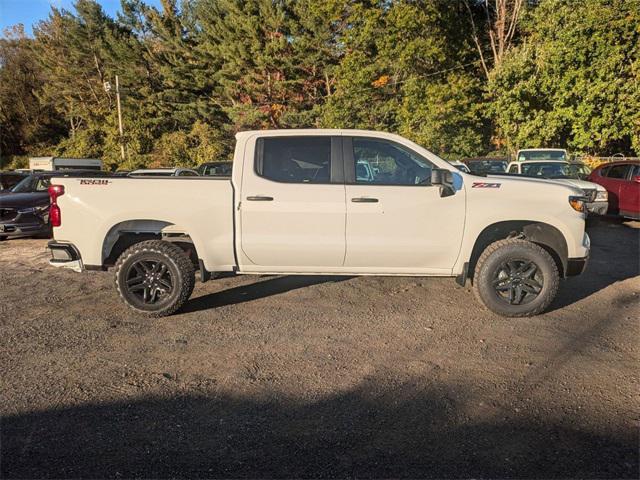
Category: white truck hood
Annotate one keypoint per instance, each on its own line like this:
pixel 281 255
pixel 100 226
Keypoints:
pixel 569 182
pixel 581 184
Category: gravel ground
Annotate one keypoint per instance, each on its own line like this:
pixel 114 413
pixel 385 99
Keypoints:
pixel 319 376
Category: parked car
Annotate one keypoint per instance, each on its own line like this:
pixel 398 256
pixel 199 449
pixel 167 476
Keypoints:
pixel 622 181
pixel 569 174
pixel 24 210
pixel 163 172
pixel 460 166
pixel 527 154
pixel 8 180
pixel 216 169
pixel 485 165
pixel 294 205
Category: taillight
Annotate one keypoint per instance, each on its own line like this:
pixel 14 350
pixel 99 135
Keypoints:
pixel 55 216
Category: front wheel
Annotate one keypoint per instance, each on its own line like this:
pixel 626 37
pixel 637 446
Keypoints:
pixel 154 277
pixel 516 278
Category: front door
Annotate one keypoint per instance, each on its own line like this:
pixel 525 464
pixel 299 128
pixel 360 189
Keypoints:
pixel 292 211
pixel 396 221
pixel 614 178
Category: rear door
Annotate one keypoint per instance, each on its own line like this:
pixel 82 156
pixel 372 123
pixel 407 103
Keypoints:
pixel 396 221
pixel 292 210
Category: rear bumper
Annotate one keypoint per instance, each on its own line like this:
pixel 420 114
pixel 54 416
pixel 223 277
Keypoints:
pixel 14 229
pixel 65 255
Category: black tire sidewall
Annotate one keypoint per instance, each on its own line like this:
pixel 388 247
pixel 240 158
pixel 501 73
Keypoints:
pixel 518 251
pixel 148 253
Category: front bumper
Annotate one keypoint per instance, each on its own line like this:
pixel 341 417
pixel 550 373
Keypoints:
pixel 24 224
pixel 65 255
pixel 599 208
pixel 576 266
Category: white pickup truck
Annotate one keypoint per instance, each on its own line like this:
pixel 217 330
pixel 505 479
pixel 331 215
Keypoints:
pixel 343 202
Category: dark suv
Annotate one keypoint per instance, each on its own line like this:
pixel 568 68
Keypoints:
pixel 8 180
pixel 24 210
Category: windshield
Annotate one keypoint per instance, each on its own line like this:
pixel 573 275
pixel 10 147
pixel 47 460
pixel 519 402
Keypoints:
pixel 31 184
pixel 487 166
pixel 556 170
pixel 542 155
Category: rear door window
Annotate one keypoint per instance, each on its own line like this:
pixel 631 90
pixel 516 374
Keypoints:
pixel 294 159
pixel 617 171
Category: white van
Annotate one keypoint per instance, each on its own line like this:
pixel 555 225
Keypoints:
pixel 57 163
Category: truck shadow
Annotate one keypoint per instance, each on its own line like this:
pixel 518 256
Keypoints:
pixel 260 289
pixel 371 431
pixel 615 256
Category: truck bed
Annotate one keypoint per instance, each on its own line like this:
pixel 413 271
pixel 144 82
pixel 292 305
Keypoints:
pixel 94 209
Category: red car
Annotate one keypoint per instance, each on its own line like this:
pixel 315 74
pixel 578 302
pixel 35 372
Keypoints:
pixel 622 181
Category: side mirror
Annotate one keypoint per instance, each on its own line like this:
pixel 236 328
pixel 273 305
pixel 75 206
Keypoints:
pixel 444 178
pixel 635 178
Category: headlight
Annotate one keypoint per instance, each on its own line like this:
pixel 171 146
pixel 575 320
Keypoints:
pixel 602 195
pixel 578 204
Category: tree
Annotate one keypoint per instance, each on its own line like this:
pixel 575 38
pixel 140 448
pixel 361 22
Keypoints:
pixel 407 69
pixel 497 26
pixel 26 125
pixel 574 81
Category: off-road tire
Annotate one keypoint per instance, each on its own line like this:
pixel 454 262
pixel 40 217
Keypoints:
pixel 179 267
pixel 508 250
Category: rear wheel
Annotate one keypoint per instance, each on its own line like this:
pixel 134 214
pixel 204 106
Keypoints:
pixel 154 277
pixel 516 278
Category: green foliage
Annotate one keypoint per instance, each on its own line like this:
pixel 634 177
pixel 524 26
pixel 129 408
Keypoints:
pixel 394 77
pixel 189 149
pixel 445 115
pixel 25 122
pixel 195 72
pixel 576 80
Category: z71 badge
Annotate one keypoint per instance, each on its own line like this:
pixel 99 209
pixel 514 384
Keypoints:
pixel 91 181
pixel 485 185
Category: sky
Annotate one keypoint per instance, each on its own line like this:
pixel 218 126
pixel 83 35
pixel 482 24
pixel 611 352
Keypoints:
pixel 30 12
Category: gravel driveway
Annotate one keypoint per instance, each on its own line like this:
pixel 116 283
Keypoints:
pixel 320 376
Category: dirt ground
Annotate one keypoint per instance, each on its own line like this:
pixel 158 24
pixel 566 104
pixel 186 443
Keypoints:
pixel 319 377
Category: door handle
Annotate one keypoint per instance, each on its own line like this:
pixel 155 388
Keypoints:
pixel 364 200
pixel 260 198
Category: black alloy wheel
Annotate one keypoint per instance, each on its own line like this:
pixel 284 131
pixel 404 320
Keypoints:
pixel 516 278
pixel 518 282
pixel 149 280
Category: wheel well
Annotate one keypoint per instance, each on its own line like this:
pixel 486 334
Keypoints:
pixel 543 234
pixel 126 234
